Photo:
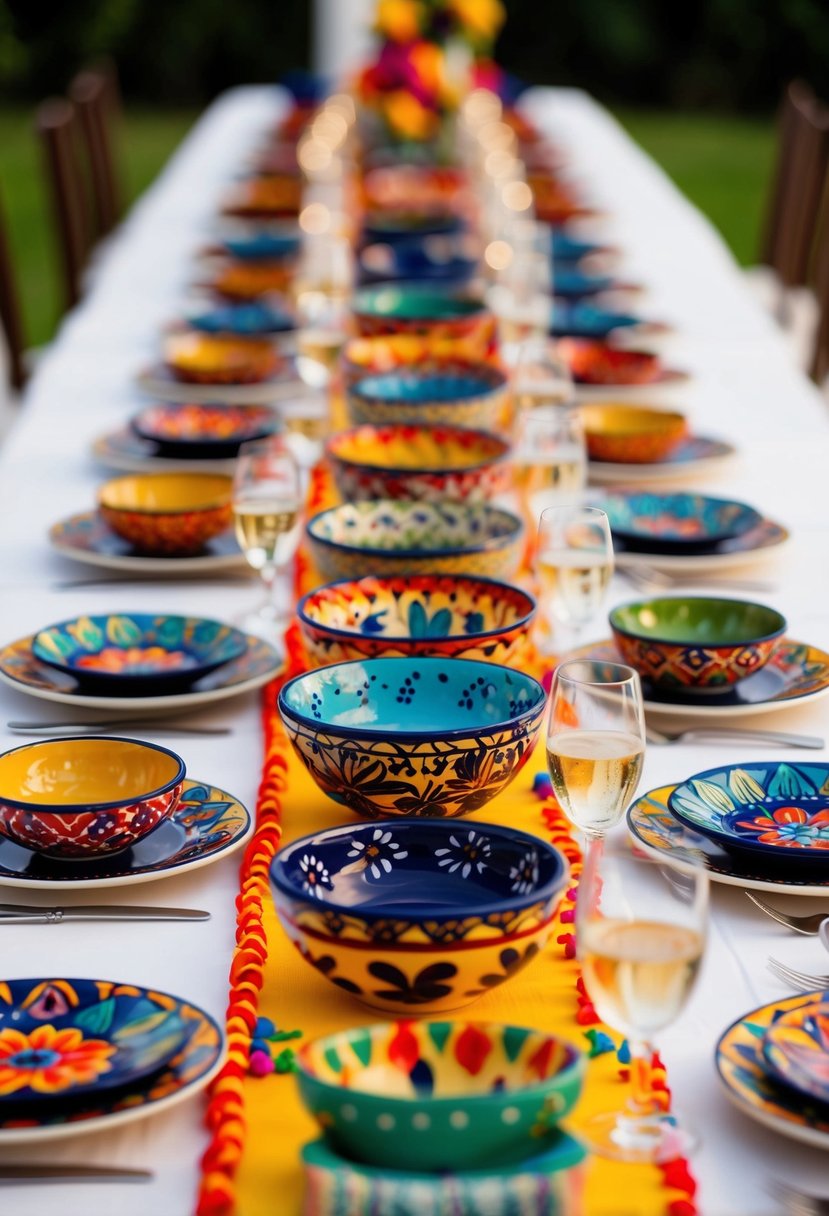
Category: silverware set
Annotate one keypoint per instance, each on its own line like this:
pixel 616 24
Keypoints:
pixel 651 578
pixel 813 925
pixel 32 914
pixel 716 734
pixel 165 726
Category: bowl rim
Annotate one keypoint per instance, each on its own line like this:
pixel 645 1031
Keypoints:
pixel 717 599
pixel 540 894
pixel 476 638
pixel 573 1068
pixel 160 512
pixel 491 381
pixel 469 306
pixel 484 462
pixel 456 732
pixel 674 420
pixel 65 808
pixel 491 544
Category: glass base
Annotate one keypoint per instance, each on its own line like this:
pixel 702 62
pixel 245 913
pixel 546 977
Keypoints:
pixel 646 1138
pixel 266 624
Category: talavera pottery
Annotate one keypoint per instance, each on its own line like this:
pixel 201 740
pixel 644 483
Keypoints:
pixel 261 241
pixel 420 736
pixel 391 226
pixel 584 319
pixel 421 187
pixel 411 308
pixel 418 915
pixel 680 522
pixel 435 1096
pixel 265 196
pixel 138 653
pixel 389 539
pixel 796 1048
pixel 695 643
pixel 750 549
pixel 418 463
pixel 188 1070
pixel 694 457
pixel 86 538
pixel 549 1183
pixel 362 357
pixel 255 319
pixel 598 363
pixel 211 432
pixel 206 824
pixel 434 259
pixel 456 394
pixel 63 1038
pixel 241 280
pixel 749 1084
pixel 573 283
pixel 659 833
pixel 425 614
pixel 169 513
pixel 84 797
pixel 219 359
pixel 628 434
pixel 776 809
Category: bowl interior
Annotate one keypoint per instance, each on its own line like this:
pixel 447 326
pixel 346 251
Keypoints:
pixel 680 518
pixel 630 420
pixel 190 423
pixel 413 1060
pixel 247 320
pixel 411 527
pixel 415 304
pixel 166 493
pixel 209 351
pixel 701 620
pixel 408 386
pixel 423 606
pixel 71 772
pixel 421 449
pixel 594 362
pixel 426 697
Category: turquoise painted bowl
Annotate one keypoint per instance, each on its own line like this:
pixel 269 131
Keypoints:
pixel 675 523
pixel 424 736
pixel 695 643
pixel 439 1095
pixel 425 614
pixel 137 654
pixel 767 807
pixel 454 394
pixel 390 539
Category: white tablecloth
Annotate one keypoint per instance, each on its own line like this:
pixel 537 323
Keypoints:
pixel 744 389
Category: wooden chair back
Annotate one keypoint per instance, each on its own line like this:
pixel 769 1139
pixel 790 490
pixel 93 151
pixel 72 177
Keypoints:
pixel 94 93
pixel 819 369
pixel 809 164
pixel 10 315
pixel 781 196
pixel 56 125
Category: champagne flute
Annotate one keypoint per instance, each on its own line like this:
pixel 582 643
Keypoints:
pixel 595 741
pixel 541 377
pixel 574 565
pixel 267 503
pixel 323 292
pixel 522 302
pixel 640 935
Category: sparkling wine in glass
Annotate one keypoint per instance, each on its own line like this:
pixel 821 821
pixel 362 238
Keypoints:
pixel 640 933
pixel 595 741
pixel 574 566
pixel 323 291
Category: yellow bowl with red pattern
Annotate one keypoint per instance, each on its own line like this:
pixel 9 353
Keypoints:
pixel 631 434
pixel 198 358
pixel 241 280
pixel 173 514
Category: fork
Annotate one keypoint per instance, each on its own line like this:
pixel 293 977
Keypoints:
pixel 797 1202
pixel 801 924
pixel 783 738
pixel 802 981
pixel 648 577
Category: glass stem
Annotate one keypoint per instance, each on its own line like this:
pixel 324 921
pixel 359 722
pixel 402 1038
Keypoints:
pixel 641 1101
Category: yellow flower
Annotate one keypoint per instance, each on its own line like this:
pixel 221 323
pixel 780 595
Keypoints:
pixel 399 20
pixel 427 61
pixel 482 18
pixel 408 117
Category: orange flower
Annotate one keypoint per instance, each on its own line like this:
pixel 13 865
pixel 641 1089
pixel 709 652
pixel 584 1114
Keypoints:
pixel 399 20
pixel 408 117
pixel 49 1060
pixel 481 18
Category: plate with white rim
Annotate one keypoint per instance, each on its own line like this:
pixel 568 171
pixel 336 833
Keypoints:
pixel 21 671
pixel 655 830
pixel 795 674
pixel 86 538
pixel 207 824
pixel 696 456
pixel 759 544
pixel 129 453
pixel 157 381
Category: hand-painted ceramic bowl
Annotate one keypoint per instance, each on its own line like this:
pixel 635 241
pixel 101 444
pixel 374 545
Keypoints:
pixel 80 798
pixel 433 260
pixel 255 243
pixel 457 394
pixel 631 434
pixel 210 432
pixel 218 359
pixel 418 915
pixel 406 308
pixel 420 736
pixel 426 614
pixel 422 187
pixel 389 538
pixel 695 643
pixel 584 319
pixel 139 654
pixel 767 807
pixel 253 320
pixel 438 1095
pixel 265 196
pixel 387 352
pixel 796 1047
pixel 597 363
pixel 675 523
pixel 391 226
pixel 423 464
pixel 243 280
pixel 169 513
pixel 574 283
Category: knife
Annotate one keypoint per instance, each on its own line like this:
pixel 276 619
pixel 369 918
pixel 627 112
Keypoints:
pixel 12 1174
pixel 28 914
pixel 159 726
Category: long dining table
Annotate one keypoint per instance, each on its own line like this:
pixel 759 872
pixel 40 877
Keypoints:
pixel 744 388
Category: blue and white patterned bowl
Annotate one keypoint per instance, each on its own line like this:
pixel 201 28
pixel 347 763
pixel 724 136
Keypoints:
pixel 466 394
pixel 413 736
pixel 675 523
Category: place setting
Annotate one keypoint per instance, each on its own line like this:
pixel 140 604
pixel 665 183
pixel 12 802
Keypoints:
pixel 634 443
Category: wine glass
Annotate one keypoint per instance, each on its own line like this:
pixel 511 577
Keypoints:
pixel 540 377
pixel 522 301
pixel 322 305
pixel 574 565
pixel 267 503
pixel 640 935
pixel 595 741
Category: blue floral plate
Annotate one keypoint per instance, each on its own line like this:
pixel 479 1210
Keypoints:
pixel 242 319
pixel 773 808
pixel 263 245
pixel 580 319
pixel 675 523
pixel 138 653
pixel 796 1048
pixel 572 283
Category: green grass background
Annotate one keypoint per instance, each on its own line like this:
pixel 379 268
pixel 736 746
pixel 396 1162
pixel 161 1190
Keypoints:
pixel 722 164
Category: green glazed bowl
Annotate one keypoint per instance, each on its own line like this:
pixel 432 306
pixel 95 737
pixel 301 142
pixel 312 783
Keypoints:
pixel 439 1095
pixel 695 643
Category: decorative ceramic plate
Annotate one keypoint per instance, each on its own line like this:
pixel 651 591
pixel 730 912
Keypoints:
pixel 207 824
pixel 584 319
pixel 795 673
pixel 86 538
pixel 695 456
pixel 754 546
pixel 188 1070
pixel 60 1040
pixel 159 382
pixel 129 453
pixel 22 671
pixel 777 810
pixel 679 522
pixel 796 1048
pixel 213 432
pixel 658 832
pixel 743 1072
